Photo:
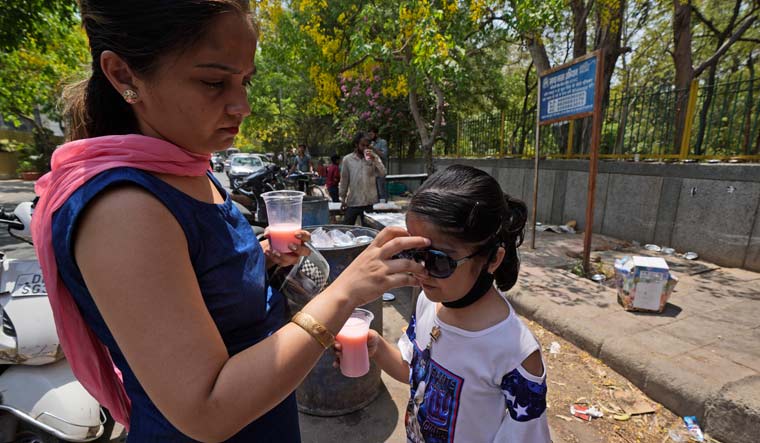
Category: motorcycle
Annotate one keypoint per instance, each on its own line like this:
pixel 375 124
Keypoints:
pixel 40 399
pixel 268 178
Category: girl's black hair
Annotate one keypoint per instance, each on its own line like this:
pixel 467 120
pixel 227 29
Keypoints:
pixel 142 32
pixel 335 158
pixel 468 204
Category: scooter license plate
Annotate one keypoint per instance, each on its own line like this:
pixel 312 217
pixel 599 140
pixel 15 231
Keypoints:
pixel 29 285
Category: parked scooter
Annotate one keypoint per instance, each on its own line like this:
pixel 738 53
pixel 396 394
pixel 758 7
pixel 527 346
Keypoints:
pixel 40 399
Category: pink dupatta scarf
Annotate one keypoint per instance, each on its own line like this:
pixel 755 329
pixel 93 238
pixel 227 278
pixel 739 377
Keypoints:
pixel 72 165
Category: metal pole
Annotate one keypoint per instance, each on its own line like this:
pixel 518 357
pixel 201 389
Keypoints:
pixel 595 136
pixel 535 169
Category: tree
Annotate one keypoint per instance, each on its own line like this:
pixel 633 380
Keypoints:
pixel 22 22
pixel 736 22
pixel 743 16
pixel 33 75
pixel 433 48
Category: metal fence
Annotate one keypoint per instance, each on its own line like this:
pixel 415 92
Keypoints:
pixel 722 122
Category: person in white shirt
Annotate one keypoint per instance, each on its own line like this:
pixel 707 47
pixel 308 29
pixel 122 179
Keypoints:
pixel 475 370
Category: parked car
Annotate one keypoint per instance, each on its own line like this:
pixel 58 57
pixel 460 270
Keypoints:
pixel 226 155
pixel 241 166
pixel 264 159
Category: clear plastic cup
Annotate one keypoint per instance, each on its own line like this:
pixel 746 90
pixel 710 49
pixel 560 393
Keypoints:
pixel 353 338
pixel 284 215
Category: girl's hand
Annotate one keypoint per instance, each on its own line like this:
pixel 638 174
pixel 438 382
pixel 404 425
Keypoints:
pixel 374 271
pixel 289 259
pixel 373 339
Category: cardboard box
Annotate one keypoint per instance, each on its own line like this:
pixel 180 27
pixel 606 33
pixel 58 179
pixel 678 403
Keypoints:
pixel 643 283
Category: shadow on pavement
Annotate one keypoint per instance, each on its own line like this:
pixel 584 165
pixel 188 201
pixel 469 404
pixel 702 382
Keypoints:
pixel 374 423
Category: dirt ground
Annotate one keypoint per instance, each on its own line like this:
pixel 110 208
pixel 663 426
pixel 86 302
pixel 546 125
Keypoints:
pixel 576 377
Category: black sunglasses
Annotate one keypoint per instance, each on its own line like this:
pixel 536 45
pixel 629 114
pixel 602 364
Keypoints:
pixel 438 263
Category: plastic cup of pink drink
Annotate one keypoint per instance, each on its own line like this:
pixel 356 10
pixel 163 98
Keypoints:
pixel 284 216
pixel 353 338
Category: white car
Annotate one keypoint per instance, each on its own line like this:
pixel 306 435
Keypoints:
pixel 242 165
pixel 263 159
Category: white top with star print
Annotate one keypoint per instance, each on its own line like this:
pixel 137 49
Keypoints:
pixel 472 387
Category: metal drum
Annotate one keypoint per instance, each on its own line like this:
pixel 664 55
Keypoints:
pixel 315 211
pixel 325 391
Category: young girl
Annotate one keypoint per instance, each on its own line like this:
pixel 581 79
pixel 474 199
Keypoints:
pixel 475 370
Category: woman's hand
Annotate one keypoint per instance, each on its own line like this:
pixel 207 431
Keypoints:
pixel 276 258
pixel 374 271
pixel 373 340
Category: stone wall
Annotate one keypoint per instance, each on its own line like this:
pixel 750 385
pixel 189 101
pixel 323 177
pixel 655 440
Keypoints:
pixel 711 209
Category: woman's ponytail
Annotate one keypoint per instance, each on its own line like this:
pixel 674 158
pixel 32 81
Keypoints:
pixel 94 108
pixel 75 110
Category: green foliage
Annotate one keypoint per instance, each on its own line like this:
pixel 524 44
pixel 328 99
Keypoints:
pixel 27 165
pixel 32 76
pixel 33 157
pixel 10 145
pixel 26 22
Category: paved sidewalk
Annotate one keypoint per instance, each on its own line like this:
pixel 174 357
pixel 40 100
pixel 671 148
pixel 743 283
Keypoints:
pixel 700 357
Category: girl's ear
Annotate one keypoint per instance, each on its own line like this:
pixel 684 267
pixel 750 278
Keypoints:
pixel 497 259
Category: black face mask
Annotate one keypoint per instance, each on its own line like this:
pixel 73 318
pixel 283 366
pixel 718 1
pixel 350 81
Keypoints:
pixel 482 285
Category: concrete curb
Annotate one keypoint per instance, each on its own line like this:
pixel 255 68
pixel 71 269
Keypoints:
pixel 729 411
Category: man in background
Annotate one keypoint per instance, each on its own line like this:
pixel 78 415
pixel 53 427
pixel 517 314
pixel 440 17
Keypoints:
pixel 358 187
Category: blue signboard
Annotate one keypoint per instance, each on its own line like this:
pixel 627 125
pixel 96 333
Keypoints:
pixel 568 91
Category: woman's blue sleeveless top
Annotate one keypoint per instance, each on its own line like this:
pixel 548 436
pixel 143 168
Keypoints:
pixel 231 272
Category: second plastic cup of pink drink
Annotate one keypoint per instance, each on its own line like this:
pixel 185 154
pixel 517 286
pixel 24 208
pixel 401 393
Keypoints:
pixel 353 338
pixel 284 216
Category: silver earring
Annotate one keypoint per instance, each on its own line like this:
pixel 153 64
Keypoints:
pixel 130 96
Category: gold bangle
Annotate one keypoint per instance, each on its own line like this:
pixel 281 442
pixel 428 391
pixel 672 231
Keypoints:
pixel 314 328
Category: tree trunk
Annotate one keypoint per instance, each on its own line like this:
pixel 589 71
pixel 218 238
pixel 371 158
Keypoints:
pixel 580 48
pixel 608 38
pixel 537 52
pixel 609 29
pixel 749 108
pixel 426 137
pixel 710 88
pixel 580 28
pixel 520 126
pixel 683 65
pixel 411 150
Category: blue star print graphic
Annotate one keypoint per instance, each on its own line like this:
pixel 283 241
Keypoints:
pixel 526 400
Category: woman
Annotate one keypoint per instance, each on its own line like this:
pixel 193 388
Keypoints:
pixel 148 263
pixel 358 185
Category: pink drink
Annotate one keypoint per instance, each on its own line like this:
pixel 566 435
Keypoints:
pixel 281 235
pixel 353 337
